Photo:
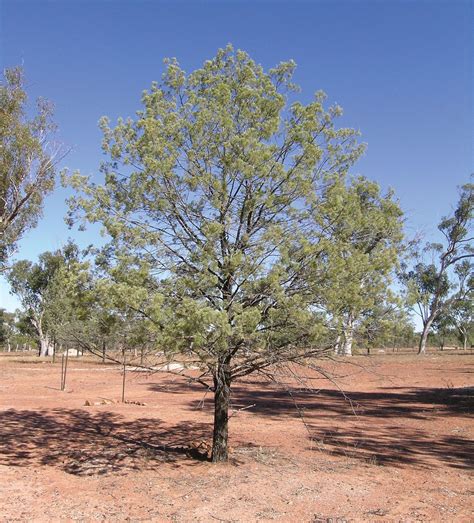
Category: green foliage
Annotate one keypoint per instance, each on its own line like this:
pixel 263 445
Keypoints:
pixel 385 326
pixel 207 194
pixel 15 330
pixel 3 327
pixel 359 235
pixel 457 315
pixel 28 160
pixel 430 289
pixel 422 283
pixel 232 230
pixel 38 287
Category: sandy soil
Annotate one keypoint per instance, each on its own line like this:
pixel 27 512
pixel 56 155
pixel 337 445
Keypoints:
pixel 398 447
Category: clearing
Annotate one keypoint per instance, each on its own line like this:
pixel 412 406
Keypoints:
pixel 400 450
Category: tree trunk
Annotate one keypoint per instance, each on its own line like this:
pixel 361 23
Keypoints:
pixel 337 346
pixel 424 336
pixel 221 413
pixel 43 347
pixel 46 347
pixel 348 337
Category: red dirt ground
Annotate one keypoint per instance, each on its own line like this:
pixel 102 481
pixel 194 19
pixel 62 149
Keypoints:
pixel 401 452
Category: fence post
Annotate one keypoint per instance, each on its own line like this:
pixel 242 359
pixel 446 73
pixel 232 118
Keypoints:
pixel 123 380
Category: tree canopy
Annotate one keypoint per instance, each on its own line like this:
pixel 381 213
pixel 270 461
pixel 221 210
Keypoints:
pixel 209 193
pixel 36 286
pixel 28 160
pixel 429 284
pixel 361 231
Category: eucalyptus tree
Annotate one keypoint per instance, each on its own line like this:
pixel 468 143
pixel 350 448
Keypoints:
pixel 385 325
pixel 443 330
pixel 361 231
pixel 33 283
pixel 429 284
pixel 29 157
pixel 4 326
pixel 460 310
pixel 87 310
pixel 15 330
pixel 67 300
pixel 209 190
pixel 462 315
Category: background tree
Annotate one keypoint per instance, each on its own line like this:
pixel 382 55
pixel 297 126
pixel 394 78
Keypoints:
pixel 210 191
pixel 443 331
pixel 28 160
pixel 460 310
pixel 3 327
pixel 67 299
pixel 32 283
pixel 84 309
pixel 361 231
pixel 15 331
pixel 385 326
pixel 428 286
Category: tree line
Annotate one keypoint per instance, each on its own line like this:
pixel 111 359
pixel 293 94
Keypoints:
pixel 237 239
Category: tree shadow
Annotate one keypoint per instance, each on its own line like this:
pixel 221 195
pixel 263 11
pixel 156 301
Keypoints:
pixel 83 443
pixel 371 426
pixel 375 425
pixel 389 402
pixel 395 445
pixel 175 386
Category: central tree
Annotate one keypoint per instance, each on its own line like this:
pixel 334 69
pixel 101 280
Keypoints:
pixel 211 192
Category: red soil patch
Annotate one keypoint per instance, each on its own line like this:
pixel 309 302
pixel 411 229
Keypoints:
pixel 399 449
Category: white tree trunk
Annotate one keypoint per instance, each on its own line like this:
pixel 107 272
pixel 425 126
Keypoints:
pixel 46 347
pixel 348 337
pixel 424 335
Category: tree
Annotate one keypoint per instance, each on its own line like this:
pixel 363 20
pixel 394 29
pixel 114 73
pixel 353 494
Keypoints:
pixel 84 309
pixel 362 230
pixel 428 285
pixel 209 192
pixel 28 160
pixel 442 329
pixel 462 314
pixel 33 283
pixel 460 310
pixel 3 326
pixel 13 329
pixel 384 326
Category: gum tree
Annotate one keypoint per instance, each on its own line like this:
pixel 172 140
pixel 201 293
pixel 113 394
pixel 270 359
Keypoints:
pixel 33 284
pixel 429 285
pixel 28 160
pixel 209 190
pixel 362 230
pixel 460 310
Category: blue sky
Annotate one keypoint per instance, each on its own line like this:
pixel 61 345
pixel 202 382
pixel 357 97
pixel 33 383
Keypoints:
pixel 402 71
